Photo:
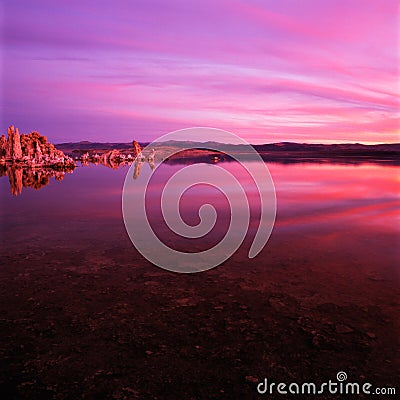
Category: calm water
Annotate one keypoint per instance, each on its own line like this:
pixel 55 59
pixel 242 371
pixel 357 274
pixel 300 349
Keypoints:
pixel 84 313
pixel 324 211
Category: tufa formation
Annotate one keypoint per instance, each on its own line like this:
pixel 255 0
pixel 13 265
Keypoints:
pixel 32 150
pixel 114 158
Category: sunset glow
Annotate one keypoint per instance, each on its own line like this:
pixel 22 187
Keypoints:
pixel 269 71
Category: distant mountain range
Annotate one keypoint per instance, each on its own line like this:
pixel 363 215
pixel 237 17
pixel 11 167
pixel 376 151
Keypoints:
pixel 85 145
pixel 282 147
pixel 290 146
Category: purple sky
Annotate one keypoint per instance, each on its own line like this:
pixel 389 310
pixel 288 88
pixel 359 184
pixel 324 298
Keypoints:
pixel 269 71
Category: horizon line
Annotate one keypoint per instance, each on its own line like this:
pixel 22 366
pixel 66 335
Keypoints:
pixel 324 142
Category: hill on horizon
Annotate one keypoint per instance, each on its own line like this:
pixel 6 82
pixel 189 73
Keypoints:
pixel 278 146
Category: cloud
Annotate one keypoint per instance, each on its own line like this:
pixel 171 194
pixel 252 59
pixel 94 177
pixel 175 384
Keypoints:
pixel 303 70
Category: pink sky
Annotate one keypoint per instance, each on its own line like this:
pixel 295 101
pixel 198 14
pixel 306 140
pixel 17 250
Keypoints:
pixel 269 71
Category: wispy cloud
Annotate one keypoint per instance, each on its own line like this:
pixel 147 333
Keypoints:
pixel 310 71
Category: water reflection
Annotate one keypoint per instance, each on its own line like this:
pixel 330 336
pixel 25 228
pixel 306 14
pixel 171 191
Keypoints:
pixel 22 177
pixel 35 178
pixel 110 163
pixel 116 163
pixel 138 167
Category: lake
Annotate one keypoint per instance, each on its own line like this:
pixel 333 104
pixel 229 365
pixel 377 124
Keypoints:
pixel 84 314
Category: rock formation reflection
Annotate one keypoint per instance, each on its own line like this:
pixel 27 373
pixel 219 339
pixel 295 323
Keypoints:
pixel 36 178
